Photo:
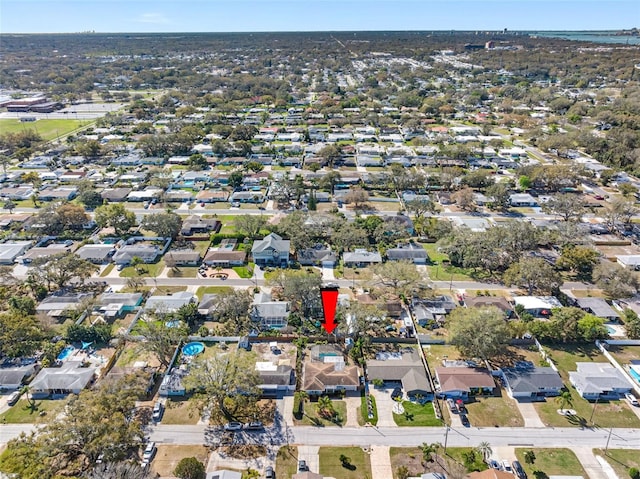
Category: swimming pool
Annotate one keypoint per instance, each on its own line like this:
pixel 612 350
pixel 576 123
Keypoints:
pixel 174 323
pixel 634 374
pixel 610 329
pixel 65 353
pixel 192 349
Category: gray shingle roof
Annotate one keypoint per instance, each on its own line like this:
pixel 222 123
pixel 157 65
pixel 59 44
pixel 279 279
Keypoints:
pixel 532 379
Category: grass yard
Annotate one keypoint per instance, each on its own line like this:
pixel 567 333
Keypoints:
pixel 47 129
pixel 151 270
pixel 359 466
pixel 620 459
pixel 494 411
pixel 624 354
pixel 183 272
pixel 107 270
pixel 451 464
pixel 511 354
pixel 22 413
pixel 566 356
pixel 551 462
pixel 417 415
pixel 363 411
pixel 436 353
pixel 243 272
pixel 311 418
pixel 168 457
pixel 202 290
pixel 180 411
pixel 287 461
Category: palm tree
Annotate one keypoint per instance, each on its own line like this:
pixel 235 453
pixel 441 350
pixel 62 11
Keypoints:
pixel 26 390
pixel 325 407
pixel 565 399
pixel 484 448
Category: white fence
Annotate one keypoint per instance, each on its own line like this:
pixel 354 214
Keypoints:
pixel 615 363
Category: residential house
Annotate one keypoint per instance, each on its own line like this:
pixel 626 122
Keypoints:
pixel 325 372
pixel 173 382
pixel 96 253
pixel 526 381
pixel 197 224
pixel 10 251
pixel 212 196
pixel 319 255
pixel 148 194
pixel 115 305
pixel 522 200
pixel 426 311
pixel 256 197
pixel 272 250
pixel 62 193
pixel 13 376
pixel 490 474
pixel 70 378
pixel 43 252
pixel 599 381
pixel 490 301
pixel 463 382
pixel 598 307
pixel 404 368
pixel 537 306
pixel 169 303
pixel 19 193
pixel 277 374
pixel 147 253
pixel 224 474
pixel 268 313
pixel 224 258
pixel 409 252
pixel 629 261
pixel 115 195
pixel 62 305
pixel 360 258
pixel 208 305
pixel 182 257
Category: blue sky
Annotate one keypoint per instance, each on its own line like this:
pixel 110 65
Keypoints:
pixel 57 16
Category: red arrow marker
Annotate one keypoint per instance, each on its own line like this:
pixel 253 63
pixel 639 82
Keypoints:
pixel 329 297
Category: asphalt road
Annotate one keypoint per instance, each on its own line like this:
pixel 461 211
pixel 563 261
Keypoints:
pixel 390 436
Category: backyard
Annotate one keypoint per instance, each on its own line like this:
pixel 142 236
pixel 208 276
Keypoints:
pixel 551 462
pixel 358 466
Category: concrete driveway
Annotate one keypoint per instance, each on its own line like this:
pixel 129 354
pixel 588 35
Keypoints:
pixel 384 405
pixel 529 413
pixel 310 454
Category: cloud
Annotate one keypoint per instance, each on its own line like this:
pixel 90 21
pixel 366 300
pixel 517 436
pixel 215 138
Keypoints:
pixel 153 18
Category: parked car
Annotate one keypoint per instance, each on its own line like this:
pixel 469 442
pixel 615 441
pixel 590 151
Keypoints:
pixel 493 464
pixel 632 399
pixel 254 426
pixel 13 398
pixel 452 406
pixel 517 468
pixel 148 452
pixel 506 466
pixel 233 426
pixel 464 420
pixel 302 466
pixel 396 393
pixel 158 409
pixel 269 474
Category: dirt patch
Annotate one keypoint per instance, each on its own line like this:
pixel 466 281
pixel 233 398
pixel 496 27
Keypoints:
pixel 241 451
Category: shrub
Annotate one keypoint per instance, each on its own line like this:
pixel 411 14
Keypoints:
pixel 634 473
pixel 190 468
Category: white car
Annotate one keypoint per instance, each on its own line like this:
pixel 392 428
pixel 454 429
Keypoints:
pixel 157 411
pixel 506 467
pixel 149 451
pixel 632 399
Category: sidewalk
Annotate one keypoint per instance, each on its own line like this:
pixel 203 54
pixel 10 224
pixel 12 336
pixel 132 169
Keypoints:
pixel 591 465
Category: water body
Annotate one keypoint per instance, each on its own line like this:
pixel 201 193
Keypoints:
pixel 597 37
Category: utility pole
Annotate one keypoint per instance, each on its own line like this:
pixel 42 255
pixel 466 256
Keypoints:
pixel 608 439
pixel 446 438
pixel 593 411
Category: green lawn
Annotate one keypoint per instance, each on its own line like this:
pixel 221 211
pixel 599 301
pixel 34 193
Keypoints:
pixel 451 464
pixel 151 270
pixel 287 461
pixel 202 290
pixel 551 462
pixel 620 459
pixel 180 411
pixel 243 272
pixel 363 412
pixel 107 270
pixel 47 129
pixel 21 413
pixel 311 418
pixel 183 272
pixel 330 465
pixel 494 411
pixel 417 415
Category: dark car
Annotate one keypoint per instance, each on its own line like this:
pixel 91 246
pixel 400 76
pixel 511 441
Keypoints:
pixel 254 426
pixel 269 474
pixel 493 464
pixel 465 420
pixel 302 466
pixel 396 393
pixel 517 468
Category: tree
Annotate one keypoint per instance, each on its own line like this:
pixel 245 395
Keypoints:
pixel 565 399
pixel 190 468
pixel 634 473
pixel 101 420
pixel 420 206
pixel 631 324
pixel 484 448
pixel 165 225
pixel 529 457
pixel 567 206
pixel 115 216
pixel 232 307
pixel 478 332
pixel 325 408
pixel 591 327
pixel 90 198
pixel 615 280
pixel 188 313
pixel 197 162
pixel 34 178
pixel 579 259
pixel 9 205
pixel 225 379
pixel 464 198
pixel 160 339
pixel 71 216
pixel 501 194
pixel 357 196
pixel 121 470
pixel 428 450
pixel 535 274
pixel 330 153
pixel 344 460
pixel 402 472
pixel 235 179
pixel 361 320
pixel 249 225
pixel 619 210
pixel 329 181
pixel 61 269
pixel 301 288
pixel 401 278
